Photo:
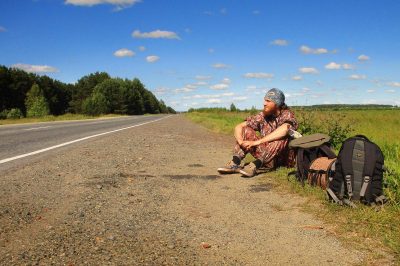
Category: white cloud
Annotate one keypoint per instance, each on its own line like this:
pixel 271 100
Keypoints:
pixel 279 42
pixel 161 90
pixel 36 68
pixel 370 91
pixel 307 50
pixel 119 3
pixel 220 86
pixel 124 53
pixel 297 77
pixel 226 81
pixel 305 89
pixel 220 65
pixel 214 101
pixel 201 83
pixel 363 57
pixel 157 34
pixel 393 84
pixel 191 86
pixel 206 96
pixel 293 95
pixel 184 90
pixel 199 77
pixel 239 99
pixel 308 70
pixel 370 101
pixel 357 77
pixel 259 75
pixel 2 29
pixel 333 65
pixel 152 58
pixel 348 66
pixel 390 91
pixel 142 48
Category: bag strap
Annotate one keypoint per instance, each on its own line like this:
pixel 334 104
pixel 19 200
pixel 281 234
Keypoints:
pixel 364 186
pixel 301 170
pixel 361 136
pixel 349 186
pixel 369 167
pixel 328 151
pixel 333 196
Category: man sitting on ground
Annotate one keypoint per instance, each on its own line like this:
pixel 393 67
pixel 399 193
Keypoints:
pixel 270 149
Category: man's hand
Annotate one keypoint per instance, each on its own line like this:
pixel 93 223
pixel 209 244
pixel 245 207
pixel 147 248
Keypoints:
pixel 248 144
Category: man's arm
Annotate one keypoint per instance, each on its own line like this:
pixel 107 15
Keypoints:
pixel 238 133
pixel 279 133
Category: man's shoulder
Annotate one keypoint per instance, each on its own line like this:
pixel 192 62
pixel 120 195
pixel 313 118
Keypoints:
pixel 256 118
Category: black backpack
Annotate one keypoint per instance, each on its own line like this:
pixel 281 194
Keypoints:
pixel 309 148
pixel 359 173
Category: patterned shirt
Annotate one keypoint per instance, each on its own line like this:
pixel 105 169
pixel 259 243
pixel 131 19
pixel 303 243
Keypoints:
pixel 266 125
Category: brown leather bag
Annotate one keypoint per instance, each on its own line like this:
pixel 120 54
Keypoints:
pixel 321 169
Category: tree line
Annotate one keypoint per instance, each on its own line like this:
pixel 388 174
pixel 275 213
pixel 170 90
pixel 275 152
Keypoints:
pixel 25 94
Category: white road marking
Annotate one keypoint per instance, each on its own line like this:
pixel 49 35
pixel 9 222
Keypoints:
pixel 74 141
pixel 33 128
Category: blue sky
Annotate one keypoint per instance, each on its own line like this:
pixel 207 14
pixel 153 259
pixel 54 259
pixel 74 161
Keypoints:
pixel 212 53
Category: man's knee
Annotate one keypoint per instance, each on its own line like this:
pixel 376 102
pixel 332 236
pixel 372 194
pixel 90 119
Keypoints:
pixel 249 133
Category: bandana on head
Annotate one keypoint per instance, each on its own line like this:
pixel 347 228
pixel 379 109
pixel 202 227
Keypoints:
pixel 276 96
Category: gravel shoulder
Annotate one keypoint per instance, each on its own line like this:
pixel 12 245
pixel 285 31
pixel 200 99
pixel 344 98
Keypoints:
pixel 151 195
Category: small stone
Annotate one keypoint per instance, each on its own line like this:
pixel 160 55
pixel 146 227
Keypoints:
pixel 170 246
pixel 205 245
pixel 99 186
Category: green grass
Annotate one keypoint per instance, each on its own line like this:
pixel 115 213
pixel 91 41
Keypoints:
pixel 364 226
pixel 50 118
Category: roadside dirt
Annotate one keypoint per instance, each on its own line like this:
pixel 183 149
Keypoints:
pixel 151 196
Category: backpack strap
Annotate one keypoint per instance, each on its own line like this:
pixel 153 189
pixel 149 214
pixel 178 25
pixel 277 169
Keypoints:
pixel 349 186
pixel 333 196
pixel 364 186
pixel 299 162
pixel 328 151
pixel 361 136
pixel 349 203
pixel 368 171
pixel 381 200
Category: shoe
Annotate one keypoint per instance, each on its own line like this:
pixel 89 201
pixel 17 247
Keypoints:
pixel 229 168
pixel 249 170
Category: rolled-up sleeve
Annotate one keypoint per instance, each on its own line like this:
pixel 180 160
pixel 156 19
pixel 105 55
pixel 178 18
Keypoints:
pixel 287 116
pixel 255 121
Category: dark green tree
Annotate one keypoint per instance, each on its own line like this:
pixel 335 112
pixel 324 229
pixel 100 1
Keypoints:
pixel 163 107
pixel 84 88
pixel 96 104
pixel 36 104
pixel 233 108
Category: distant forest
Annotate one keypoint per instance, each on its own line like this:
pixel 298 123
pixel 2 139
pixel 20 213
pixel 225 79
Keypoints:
pixel 25 94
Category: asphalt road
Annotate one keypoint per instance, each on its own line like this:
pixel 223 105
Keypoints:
pixel 16 141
